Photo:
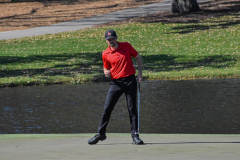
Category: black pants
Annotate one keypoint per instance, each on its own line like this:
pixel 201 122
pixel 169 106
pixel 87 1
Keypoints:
pixel 128 86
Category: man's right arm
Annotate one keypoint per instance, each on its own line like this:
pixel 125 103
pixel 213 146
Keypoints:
pixel 107 72
pixel 106 66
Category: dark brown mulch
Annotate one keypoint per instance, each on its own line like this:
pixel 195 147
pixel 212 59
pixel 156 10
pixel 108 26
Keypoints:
pixel 28 14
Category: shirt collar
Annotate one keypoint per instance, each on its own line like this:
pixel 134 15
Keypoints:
pixel 119 47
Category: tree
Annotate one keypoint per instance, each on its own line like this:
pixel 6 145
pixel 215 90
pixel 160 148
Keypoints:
pixel 184 6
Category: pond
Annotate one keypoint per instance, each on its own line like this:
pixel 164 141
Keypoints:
pixel 189 106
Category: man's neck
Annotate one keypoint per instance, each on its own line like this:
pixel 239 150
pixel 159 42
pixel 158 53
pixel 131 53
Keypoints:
pixel 115 47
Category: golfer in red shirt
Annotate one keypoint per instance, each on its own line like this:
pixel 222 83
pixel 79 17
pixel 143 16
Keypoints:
pixel 118 65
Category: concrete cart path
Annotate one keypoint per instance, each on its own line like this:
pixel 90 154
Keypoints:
pixel 118 147
pixel 91 21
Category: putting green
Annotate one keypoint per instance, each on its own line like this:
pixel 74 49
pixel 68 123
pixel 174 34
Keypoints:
pixel 118 146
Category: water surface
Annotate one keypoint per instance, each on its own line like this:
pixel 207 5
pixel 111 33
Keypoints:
pixel 191 106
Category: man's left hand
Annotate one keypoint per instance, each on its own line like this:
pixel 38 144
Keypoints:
pixel 139 78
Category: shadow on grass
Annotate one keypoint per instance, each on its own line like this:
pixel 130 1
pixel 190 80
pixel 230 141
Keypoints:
pixel 194 143
pixel 91 64
pixel 210 9
pixel 61 68
pixel 94 57
pixel 159 63
pixel 199 27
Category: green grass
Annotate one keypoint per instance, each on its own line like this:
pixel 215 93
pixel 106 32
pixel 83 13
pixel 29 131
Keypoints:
pixel 32 136
pixel 207 49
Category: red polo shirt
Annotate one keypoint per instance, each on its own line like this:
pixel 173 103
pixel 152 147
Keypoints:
pixel 120 60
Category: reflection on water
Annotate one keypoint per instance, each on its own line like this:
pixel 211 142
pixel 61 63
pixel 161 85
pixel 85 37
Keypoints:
pixel 192 106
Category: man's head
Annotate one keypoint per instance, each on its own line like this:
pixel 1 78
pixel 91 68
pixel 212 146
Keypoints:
pixel 111 38
pixel 110 34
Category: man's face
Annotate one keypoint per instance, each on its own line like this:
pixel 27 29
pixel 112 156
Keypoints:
pixel 112 42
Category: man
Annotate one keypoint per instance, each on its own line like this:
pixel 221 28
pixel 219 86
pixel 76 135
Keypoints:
pixel 117 64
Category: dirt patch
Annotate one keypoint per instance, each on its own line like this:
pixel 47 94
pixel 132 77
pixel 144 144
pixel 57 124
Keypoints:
pixel 24 15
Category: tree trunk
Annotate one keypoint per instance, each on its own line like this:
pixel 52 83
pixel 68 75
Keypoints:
pixel 184 6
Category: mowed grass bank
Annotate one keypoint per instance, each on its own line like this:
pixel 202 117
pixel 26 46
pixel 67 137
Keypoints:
pixel 207 49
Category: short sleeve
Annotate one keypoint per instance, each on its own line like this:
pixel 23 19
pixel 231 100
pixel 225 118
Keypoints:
pixel 133 52
pixel 105 62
